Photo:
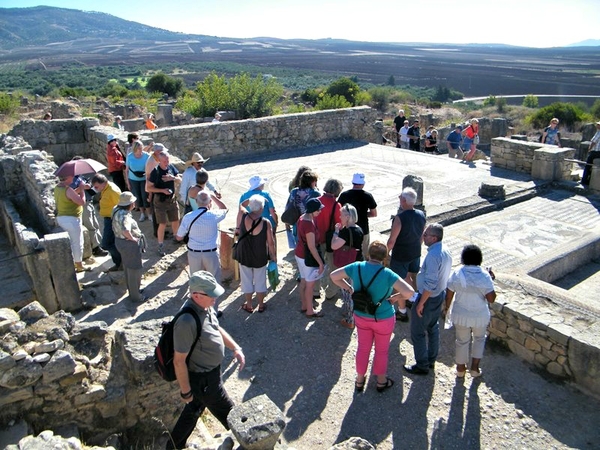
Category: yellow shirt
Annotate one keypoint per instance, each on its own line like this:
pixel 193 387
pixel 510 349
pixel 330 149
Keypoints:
pixel 64 205
pixel 109 197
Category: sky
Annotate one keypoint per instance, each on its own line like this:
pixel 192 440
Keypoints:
pixel 530 23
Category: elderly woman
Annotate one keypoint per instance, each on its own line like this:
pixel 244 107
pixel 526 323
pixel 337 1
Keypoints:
pixel 381 283
pixel 136 177
pixel 116 162
pixel 311 266
pixel 473 289
pixel 130 242
pixel 255 247
pixel 347 239
pixel 69 206
pixel 470 136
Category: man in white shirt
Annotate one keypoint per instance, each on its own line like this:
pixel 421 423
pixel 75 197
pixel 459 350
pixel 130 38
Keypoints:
pixel 404 139
pixel 188 180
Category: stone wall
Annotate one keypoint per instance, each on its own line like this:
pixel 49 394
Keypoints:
pixel 262 135
pixel 54 371
pixel 539 160
pixel 556 339
pixel 62 138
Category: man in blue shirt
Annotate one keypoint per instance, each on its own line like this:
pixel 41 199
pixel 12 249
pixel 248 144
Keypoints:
pixel 431 284
pixel 453 142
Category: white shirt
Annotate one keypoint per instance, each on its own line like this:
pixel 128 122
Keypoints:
pixel 595 146
pixel 188 180
pixel 403 135
pixel 470 307
pixel 204 233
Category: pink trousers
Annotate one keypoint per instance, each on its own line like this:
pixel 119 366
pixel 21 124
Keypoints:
pixel 369 333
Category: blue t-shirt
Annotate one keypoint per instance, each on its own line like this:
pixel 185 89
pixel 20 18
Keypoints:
pixel 382 287
pixel 454 139
pixel 137 165
pixel 268 203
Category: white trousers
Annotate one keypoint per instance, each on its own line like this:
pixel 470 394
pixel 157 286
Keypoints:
pixel 463 339
pixel 72 225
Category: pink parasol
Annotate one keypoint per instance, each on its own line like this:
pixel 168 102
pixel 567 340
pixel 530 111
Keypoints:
pixel 79 167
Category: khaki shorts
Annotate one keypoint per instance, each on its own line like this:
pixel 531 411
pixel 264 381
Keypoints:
pixel 166 211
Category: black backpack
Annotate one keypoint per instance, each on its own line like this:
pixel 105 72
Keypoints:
pixel 165 351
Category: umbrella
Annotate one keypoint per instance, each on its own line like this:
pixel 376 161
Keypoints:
pixel 79 167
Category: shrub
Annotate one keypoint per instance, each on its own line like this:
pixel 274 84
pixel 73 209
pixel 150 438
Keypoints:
pixel 380 97
pixel 363 98
pixel 567 113
pixel 332 102
pixel 8 103
pixel 501 105
pixel 164 84
pixel 595 109
pixel 490 101
pixel 344 87
pixel 530 101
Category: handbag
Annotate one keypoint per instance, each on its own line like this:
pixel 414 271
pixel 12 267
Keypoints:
pixel 292 212
pixel 309 259
pixel 363 302
pixel 237 253
pixel 186 237
pixel 346 254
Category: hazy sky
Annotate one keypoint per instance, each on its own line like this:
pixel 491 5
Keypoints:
pixel 533 23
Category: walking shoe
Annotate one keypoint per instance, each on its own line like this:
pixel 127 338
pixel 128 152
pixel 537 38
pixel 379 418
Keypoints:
pixel 347 324
pixel 114 268
pixel 150 219
pixel 142 217
pixel 401 317
pixel 99 251
pixel 161 250
pixel 415 370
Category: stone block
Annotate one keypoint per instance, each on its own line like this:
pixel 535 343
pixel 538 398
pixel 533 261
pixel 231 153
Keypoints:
pixel 544 343
pixel 541 359
pixel 525 326
pixel 498 325
pixel 61 365
pixel 354 443
pixel 555 369
pixel 559 349
pixel 521 351
pixel 24 373
pixel 8 396
pixel 79 375
pixel 560 333
pixel 549 354
pixel 498 335
pixel 93 394
pixel 256 423
pixel 531 344
pixel 584 360
pixel 517 335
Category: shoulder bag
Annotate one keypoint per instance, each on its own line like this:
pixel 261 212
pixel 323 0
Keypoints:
pixel 330 230
pixel 186 238
pixel 346 254
pixel 237 252
pixel 292 212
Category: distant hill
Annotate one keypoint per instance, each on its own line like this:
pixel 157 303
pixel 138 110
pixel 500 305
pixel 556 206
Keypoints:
pixel 45 38
pixel 43 25
pixel 586 43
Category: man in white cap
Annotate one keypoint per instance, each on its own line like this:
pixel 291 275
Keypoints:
pixel 594 153
pixel 257 186
pixel 199 379
pixel 188 180
pixel 365 206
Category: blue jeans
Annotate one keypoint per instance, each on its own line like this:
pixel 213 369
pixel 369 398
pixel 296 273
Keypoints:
pixel 108 241
pixel 425 331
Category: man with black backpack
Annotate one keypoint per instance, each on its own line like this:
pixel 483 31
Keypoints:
pixel 198 367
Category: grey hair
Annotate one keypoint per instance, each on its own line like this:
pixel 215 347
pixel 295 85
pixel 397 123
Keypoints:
pixel 256 203
pixel 436 230
pixel 409 195
pixel 333 186
pixel 351 212
pixel 203 199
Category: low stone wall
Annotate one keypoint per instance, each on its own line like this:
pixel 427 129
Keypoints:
pixel 262 135
pixel 541 161
pixel 62 138
pixel 557 339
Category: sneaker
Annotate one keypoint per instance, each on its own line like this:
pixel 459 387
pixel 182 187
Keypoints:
pixel 150 219
pixel 401 317
pixel 161 250
pixel 142 217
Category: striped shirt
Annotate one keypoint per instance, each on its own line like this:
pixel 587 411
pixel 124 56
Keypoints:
pixel 205 231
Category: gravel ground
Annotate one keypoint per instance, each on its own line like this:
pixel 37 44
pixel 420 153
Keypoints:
pixel 307 368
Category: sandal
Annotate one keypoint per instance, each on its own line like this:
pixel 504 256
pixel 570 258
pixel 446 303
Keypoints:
pixel 247 308
pixel 383 386
pixel 262 308
pixel 315 315
pixel 359 386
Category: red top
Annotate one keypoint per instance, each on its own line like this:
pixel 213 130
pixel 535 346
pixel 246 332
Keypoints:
pixel 470 131
pixel 303 227
pixel 324 217
pixel 115 158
